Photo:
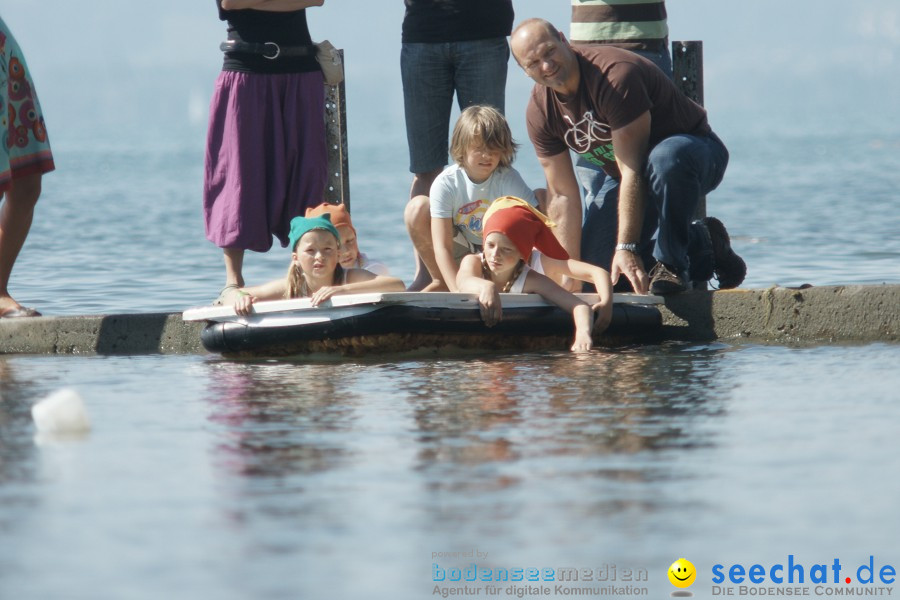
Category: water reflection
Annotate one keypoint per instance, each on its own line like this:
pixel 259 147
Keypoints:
pixel 281 418
pixel 18 460
pixel 285 418
pixel 568 415
pixel 471 447
pixel 16 447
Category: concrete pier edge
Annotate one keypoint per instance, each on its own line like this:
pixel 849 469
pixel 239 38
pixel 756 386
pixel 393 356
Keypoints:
pixel 830 314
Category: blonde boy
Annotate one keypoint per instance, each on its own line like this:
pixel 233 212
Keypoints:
pixel 446 225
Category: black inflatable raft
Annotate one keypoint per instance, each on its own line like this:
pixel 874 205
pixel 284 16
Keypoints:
pixel 409 321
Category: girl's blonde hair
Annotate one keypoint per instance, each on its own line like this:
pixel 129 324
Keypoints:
pixel 481 125
pixel 296 282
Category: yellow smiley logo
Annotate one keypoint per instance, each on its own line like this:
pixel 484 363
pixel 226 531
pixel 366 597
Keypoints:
pixel 682 573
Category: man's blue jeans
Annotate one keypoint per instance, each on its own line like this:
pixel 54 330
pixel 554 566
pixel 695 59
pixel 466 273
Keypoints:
pixel 679 170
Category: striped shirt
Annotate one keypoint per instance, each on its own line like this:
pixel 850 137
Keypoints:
pixel 630 24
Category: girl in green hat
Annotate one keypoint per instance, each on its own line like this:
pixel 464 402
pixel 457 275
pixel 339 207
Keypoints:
pixel 314 271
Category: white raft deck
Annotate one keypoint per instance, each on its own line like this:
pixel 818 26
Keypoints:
pixel 299 311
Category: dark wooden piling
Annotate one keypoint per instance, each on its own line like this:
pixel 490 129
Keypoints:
pixel 687 69
pixel 337 188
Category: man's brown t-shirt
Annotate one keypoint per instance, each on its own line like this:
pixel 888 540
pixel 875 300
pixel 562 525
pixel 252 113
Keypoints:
pixel 616 87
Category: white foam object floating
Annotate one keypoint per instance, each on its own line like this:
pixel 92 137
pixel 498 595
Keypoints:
pixel 62 411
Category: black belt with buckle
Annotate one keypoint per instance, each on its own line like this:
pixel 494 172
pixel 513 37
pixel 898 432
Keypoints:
pixel 269 50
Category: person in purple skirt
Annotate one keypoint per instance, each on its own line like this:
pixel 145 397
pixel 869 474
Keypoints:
pixel 265 153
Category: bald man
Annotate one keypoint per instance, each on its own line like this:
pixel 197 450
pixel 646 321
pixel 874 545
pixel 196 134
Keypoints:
pixel 620 112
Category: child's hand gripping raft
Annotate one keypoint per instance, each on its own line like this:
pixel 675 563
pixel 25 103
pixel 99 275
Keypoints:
pixel 315 271
pixel 521 255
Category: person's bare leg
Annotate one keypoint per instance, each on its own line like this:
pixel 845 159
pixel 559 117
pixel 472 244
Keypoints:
pixel 234 264
pixel 421 186
pixel 417 218
pixel 16 216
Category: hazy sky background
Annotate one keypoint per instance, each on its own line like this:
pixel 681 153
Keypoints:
pixel 126 72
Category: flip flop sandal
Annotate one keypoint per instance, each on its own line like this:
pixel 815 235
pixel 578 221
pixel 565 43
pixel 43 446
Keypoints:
pixel 19 312
pixel 226 296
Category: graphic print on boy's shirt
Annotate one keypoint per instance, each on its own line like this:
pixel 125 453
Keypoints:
pixel 470 217
pixel 456 197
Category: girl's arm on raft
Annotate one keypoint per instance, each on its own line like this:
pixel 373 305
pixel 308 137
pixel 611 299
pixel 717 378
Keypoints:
pixel 583 271
pixel 535 283
pixel 469 280
pixel 273 290
pixel 359 281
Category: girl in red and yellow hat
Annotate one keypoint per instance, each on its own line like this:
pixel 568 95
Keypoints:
pixel 521 255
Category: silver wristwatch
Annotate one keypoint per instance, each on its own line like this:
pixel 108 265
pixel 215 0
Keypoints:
pixel 633 248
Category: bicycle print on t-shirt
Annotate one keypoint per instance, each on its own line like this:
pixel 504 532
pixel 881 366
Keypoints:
pixel 590 139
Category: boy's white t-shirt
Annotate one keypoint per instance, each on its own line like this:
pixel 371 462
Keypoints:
pixel 454 196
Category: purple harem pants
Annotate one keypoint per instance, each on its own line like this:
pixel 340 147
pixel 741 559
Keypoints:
pixel 265 156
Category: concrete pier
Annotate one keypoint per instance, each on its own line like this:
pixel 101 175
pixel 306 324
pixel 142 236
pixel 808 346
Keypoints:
pixel 833 314
pixel 153 333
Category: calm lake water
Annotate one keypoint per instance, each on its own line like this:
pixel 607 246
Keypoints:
pixel 205 478
pixel 210 479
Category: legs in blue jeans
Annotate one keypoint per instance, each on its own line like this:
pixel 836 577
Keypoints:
pixel 601 223
pixel 679 170
pixel 481 68
pixel 662 59
pixel 476 72
pixel 428 97
pixel 599 213
pixel 431 73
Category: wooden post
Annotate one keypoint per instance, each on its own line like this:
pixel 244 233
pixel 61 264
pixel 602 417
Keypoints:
pixel 687 69
pixel 337 187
